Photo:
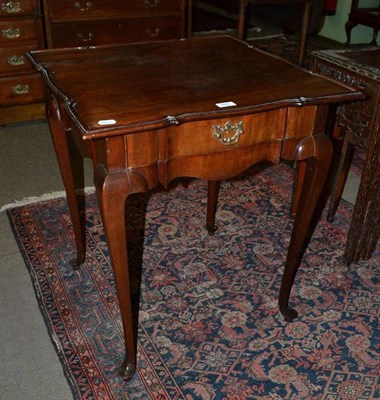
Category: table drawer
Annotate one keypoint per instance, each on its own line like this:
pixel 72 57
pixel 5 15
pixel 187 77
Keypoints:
pixel 82 9
pixel 225 134
pixel 95 33
pixel 17 7
pixel 17 31
pixel 24 89
pixel 13 59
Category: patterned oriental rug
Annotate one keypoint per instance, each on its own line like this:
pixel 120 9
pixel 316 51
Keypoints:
pixel 209 325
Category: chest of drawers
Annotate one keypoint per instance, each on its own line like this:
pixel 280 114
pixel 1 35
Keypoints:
pixel 72 23
pixel 21 90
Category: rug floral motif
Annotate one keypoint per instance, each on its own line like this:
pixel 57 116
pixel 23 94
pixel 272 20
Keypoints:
pixel 209 325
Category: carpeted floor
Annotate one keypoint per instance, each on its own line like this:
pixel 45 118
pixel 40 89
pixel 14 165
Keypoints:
pixel 209 327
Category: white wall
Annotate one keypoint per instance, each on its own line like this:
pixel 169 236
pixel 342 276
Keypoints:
pixel 333 27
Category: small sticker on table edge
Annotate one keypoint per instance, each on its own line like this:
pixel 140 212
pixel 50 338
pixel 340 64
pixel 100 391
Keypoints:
pixel 107 122
pixel 226 104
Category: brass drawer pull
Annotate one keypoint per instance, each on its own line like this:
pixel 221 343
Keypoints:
pixel 89 37
pixel 152 32
pixel 11 7
pixel 152 3
pixel 12 33
pixel 16 60
pixel 20 89
pixel 87 6
pixel 228 133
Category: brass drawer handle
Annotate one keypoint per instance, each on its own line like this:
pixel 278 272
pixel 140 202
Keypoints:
pixel 152 32
pixel 87 6
pixel 16 60
pixel 152 3
pixel 20 89
pixel 228 133
pixel 89 37
pixel 11 33
pixel 11 7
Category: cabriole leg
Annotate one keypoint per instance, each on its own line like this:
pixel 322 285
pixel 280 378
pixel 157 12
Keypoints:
pixel 317 153
pixel 71 166
pixel 112 189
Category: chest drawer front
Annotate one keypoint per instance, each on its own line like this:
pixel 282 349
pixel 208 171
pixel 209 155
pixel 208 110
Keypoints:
pixel 153 7
pixel 17 31
pixel 24 89
pixel 96 33
pixel 149 29
pixel 225 134
pixel 84 9
pixel 13 59
pixel 17 7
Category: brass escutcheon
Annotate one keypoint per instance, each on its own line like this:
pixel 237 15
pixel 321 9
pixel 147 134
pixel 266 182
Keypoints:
pixel 86 7
pixel 152 32
pixel 16 60
pixel 11 7
pixel 20 89
pixel 228 133
pixel 152 3
pixel 11 33
pixel 89 38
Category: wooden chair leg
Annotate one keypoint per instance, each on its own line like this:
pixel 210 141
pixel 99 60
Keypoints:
pixel 189 18
pixel 343 169
pixel 348 27
pixel 242 19
pixel 303 36
pixel 374 37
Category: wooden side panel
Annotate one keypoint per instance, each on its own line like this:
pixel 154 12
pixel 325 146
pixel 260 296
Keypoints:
pixel 142 149
pixel 300 121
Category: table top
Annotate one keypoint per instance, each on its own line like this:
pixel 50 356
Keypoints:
pixel 134 87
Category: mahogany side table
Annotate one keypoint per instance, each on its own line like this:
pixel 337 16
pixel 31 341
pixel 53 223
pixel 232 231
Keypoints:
pixel 360 123
pixel 207 108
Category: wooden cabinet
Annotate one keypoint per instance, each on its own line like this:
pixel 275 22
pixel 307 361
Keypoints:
pixel 21 89
pixel 72 23
pixel 359 67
